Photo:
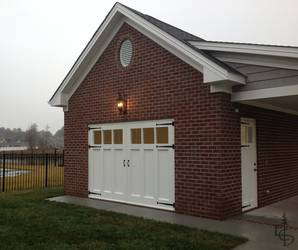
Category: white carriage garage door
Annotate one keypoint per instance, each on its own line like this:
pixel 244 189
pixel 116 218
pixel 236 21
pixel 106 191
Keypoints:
pixel 133 162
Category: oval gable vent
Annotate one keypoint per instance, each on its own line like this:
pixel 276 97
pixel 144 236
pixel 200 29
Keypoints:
pixel 126 52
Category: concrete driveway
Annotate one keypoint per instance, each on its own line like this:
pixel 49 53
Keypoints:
pixel 257 225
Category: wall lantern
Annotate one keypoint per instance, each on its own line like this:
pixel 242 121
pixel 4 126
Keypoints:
pixel 121 104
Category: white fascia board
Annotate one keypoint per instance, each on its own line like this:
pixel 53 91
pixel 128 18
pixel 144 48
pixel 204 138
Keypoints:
pixel 210 77
pixel 54 101
pixel 187 54
pixel 271 50
pixel 82 73
pixel 221 87
pixel 265 93
pixel 59 100
pixel 260 60
pixel 270 107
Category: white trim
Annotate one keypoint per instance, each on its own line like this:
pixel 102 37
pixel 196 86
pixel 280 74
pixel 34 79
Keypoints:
pixel 142 122
pixel 220 88
pixel 260 60
pixel 224 87
pixel 91 63
pixel 260 49
pixel 81 74
pixel 211 71
pixel 259 104
pixel 265 93
pixel 98 197
pixel 105 33
pixel 198 59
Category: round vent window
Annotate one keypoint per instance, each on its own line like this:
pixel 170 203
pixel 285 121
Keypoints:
pixel 126 52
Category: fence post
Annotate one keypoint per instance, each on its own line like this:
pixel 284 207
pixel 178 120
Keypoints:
pixel 3 173
pixel 55 164
pixel 46 184
pixel 31 163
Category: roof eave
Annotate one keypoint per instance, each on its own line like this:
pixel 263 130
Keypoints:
pixel 259 49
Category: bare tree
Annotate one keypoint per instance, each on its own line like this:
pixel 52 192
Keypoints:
pixel 59 138
pixel 44 138
pixel 31 135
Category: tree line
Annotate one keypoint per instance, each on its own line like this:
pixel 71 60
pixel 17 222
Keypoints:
pixel 31 138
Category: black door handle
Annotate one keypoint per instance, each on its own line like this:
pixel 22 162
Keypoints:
pixel 128 163
pixel 123 163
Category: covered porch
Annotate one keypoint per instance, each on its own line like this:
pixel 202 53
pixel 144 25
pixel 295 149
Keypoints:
pixel 282 98
pixel 274 165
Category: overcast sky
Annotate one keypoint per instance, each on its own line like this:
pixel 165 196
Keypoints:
pixel 41 39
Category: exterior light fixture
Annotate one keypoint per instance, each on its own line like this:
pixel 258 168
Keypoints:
pixel 121 104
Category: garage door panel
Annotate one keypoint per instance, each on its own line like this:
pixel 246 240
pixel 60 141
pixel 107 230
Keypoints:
pixel 150 174
pixel 108 173
pixel 119 172
pixel 94 138
pixel 91 166
pixel 96 170
pixel 136 173
pixel 165 175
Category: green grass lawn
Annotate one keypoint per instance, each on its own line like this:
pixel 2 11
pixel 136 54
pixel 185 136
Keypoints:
pixel 28 221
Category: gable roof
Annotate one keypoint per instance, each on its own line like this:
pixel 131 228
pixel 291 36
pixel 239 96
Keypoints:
pixel 171 38
pixel 183 36
pixel 172 30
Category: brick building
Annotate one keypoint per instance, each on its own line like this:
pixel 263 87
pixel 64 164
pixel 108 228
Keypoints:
pixel 158 117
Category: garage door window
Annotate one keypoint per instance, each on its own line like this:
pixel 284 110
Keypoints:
pixel 118 136
pixel 136 137
pixel 96 137
pixel 162 136
pixel 148 135
pixel 107 137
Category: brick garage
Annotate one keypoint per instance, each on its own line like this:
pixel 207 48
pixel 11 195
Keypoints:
pixel 160 85
pixel 156 93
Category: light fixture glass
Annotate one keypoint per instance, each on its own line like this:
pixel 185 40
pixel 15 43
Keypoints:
pixel 121 104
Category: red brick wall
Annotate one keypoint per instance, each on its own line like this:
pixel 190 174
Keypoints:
pixel 277 153
pixel 158 86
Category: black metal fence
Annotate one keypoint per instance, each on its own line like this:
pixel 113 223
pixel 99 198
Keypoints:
pixel 21 170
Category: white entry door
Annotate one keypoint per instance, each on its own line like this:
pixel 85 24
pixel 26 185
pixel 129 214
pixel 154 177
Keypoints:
pixel 249 164
pixel 133 162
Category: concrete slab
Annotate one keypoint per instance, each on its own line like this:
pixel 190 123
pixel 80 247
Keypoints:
pixel 274 212
pixel 261 236
pixel 85 202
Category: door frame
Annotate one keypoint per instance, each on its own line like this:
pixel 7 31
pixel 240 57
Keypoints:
pixel 254 167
